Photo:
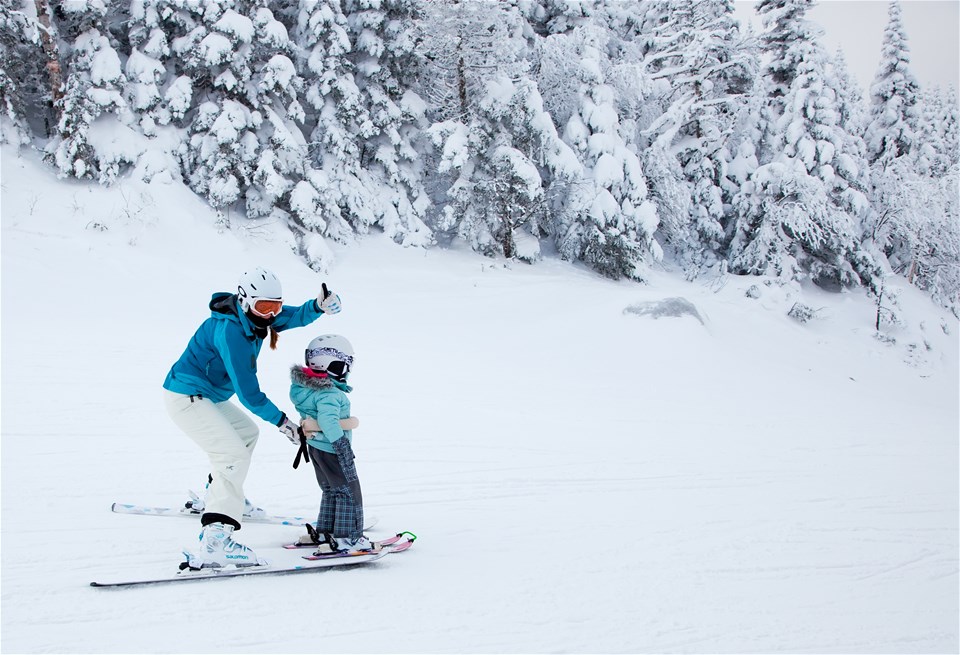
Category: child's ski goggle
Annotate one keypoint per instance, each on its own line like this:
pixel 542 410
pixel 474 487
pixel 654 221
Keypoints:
pixel 338 370
pixel 266 307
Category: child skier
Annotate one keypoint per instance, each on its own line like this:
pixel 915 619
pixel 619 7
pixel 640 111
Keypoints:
pixel 319 392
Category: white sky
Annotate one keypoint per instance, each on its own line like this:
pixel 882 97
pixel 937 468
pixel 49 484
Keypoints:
pixel 856 26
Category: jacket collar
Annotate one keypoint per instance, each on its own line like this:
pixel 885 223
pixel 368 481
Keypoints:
pixel 298 376
pixel 227 306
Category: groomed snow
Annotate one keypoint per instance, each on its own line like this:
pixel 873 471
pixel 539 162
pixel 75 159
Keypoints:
pixel 581 479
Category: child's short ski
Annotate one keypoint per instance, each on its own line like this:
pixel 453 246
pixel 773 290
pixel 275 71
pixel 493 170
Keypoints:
pixel 395 544
pixel 122 508
pixel 233 572
pixel 398 543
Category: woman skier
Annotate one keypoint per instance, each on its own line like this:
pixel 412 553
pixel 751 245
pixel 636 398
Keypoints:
pixel 219 361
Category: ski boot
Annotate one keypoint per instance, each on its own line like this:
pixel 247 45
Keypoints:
pixel 218 549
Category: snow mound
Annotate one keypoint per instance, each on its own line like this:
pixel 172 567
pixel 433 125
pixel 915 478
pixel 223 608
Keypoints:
pixel 672 307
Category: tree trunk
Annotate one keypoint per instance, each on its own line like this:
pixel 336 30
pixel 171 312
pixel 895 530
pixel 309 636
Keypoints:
pixel 52 51
pixel 912 273
pixel 879 305
pixel 462 83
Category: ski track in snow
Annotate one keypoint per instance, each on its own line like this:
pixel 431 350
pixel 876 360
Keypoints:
pixel 580 480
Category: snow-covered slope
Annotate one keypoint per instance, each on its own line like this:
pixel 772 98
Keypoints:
pixel 581 478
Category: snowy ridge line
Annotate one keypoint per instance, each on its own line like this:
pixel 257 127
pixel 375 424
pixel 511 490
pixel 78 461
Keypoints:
pixel 233 572
pixel 146 510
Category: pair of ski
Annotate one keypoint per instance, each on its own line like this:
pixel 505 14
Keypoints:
pixel 313 562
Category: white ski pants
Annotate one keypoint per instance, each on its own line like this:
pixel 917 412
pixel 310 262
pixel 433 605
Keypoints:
pixel 228 436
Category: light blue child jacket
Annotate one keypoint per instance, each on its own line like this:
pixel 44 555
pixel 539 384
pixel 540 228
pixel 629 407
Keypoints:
pixel 324 400
pixel 221 358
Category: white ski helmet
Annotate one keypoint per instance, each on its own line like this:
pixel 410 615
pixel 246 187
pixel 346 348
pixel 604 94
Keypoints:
pixel 263 285
pixel 330 354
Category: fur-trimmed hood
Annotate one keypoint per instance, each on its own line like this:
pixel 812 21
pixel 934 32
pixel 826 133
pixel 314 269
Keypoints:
pixel 298 377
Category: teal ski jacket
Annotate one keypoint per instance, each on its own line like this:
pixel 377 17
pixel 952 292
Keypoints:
pixel 324 400
pixel 221 358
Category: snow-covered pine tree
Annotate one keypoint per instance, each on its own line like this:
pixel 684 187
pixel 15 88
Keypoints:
pixel 937 139
pixel 950 125
pixel 934 251
pixel 852 184
pixel 499 149
pixel 919 195
pixel 385 62
pixel 609 222
pixel 498 201
pixel 92 100
pixel 902 195
pixel 740 150
pixel 145 67
pixel 936 258
pixel 556 76
pixel 161 68
pixel 237 66
pixel 832 111
pixel 781 211
pixel 849 99
pixel 894 111
pixel 742 156
pixel 466 44
pixel 636 33
pixel 702 70
pixel 19 55
pixel 558 16
pixel 786 31
pixel 801 214
pixel 274 91
pixel 44 94
pixel 336 199
pixel 13 127
pixel 223 150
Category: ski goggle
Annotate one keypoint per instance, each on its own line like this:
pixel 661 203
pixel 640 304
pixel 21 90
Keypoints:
pixel 338 370
pixel 266 307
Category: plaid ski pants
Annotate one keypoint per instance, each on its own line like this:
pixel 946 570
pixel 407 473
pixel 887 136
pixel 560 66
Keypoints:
pixel 341 504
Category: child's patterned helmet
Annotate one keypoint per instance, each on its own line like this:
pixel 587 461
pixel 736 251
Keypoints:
pixel 330 354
